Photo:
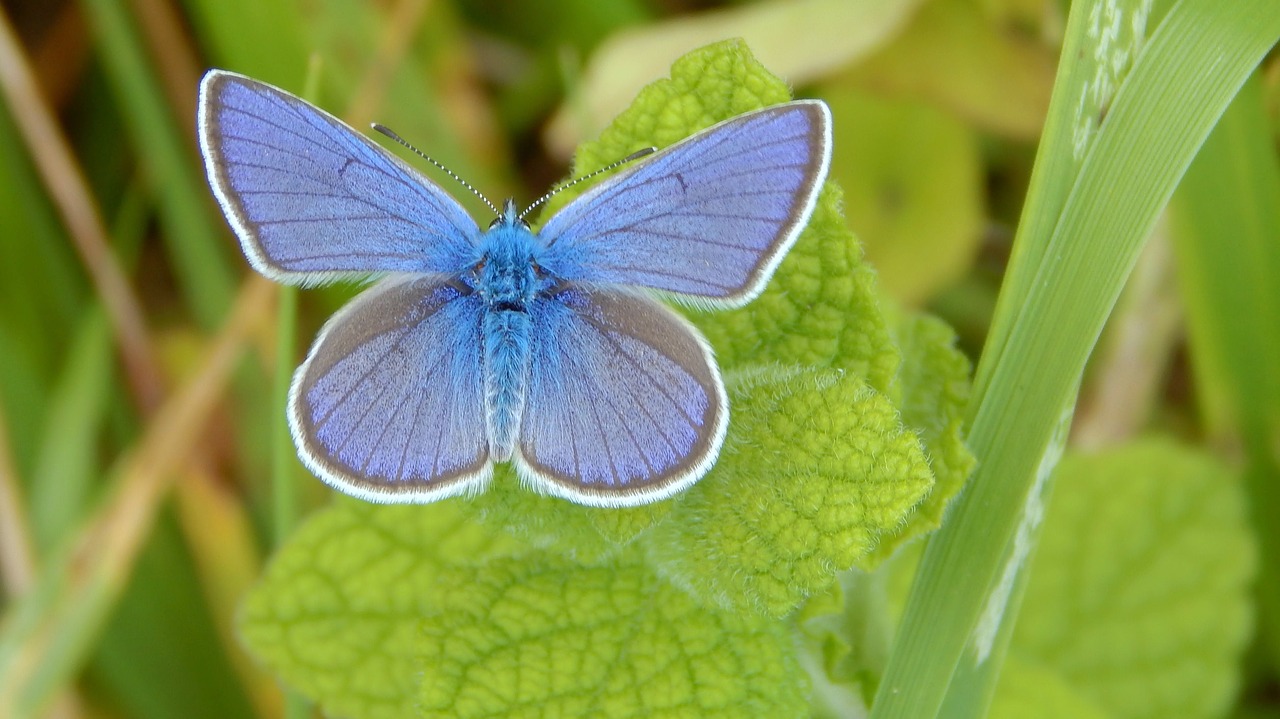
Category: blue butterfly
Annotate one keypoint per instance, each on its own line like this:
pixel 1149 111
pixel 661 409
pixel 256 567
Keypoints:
pixel 548 349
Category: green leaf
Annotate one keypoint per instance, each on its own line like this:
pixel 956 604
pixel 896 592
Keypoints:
pixel 588 533
pixel 591 535
pixel 799 39
pixel 540 635
pixel 1026 691
pixel 1140 593
pixel 913 189
pixel 821 309
pixel 337 613
pixel 818 467
pixel 952 55
pixel 843 636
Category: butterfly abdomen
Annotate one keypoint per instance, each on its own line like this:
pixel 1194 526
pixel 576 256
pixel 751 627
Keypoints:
pixel 506 365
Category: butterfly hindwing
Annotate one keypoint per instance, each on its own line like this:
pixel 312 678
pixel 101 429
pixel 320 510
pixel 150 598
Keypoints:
pixel 311 199
pixel 707 219
pixel 388 405
pixel 625 404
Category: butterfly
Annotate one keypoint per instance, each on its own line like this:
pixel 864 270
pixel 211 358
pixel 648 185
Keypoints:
pixel 551 350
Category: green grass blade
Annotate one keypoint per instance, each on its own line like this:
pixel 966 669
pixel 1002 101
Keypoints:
pixel 200 256
pixel 67 465
pixel 284 459
pixel 67 468
pixel 41 286
pixel 1228 244
pixel 1089 72
pixel 1064 280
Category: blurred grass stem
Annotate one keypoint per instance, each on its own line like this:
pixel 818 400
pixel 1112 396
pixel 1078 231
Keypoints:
pixel 61 173
pixel 46 636
pixel 17 558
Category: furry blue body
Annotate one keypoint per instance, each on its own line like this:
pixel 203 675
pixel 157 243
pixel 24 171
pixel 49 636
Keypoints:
pixel 507 278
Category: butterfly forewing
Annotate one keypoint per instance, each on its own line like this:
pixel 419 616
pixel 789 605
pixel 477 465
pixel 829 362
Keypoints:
pixel 311 199
pixel 707 219
pixel 625 404
pixel 388 404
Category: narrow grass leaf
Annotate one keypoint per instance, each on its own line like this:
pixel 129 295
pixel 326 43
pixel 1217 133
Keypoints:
pixel 200 255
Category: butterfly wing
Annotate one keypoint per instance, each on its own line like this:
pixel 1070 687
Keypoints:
pixel 388 405
pixel 625 404
pixel 311 199
pixel 709 218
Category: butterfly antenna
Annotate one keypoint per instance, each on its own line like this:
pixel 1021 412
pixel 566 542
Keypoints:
pixel 387 131
pixel 552 193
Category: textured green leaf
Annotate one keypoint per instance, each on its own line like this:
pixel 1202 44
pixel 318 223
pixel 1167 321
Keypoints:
pixel 541 636
pixel 820 309
pixel 843 637
pixel 819 467
pixel 932 392
pixel 588 533
pixel 1139 596
pixel 337 613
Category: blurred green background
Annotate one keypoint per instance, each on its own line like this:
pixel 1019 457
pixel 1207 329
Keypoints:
pixel 137 351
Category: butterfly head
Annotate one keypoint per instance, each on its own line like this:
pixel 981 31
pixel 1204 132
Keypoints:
pixel 508 275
